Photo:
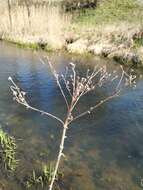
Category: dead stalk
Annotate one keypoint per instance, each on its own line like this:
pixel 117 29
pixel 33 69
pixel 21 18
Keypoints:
pixel 77 86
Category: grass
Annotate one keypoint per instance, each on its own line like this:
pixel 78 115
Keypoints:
pixel 8 151
pixel 138 42
pixel 43 177
pixel 111 11
pixel 33 46
pixel 115 26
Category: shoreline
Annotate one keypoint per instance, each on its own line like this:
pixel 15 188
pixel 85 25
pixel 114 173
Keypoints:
pixel 114 29
pixel 120 54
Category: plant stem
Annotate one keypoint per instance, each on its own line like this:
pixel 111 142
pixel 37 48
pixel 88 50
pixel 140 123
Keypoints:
pixel 65 127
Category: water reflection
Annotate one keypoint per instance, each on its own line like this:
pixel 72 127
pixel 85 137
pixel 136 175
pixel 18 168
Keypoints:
pixel 104 150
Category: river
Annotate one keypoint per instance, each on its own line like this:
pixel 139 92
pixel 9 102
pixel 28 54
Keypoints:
pixel 104 151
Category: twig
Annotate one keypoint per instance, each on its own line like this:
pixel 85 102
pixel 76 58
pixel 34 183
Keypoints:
pixel 67 87
pixel 19 96
pixel 57 81
pixel 96 106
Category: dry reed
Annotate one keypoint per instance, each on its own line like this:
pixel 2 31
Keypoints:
pixel 45 23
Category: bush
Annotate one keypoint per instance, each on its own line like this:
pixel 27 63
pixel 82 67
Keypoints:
pixel 70 5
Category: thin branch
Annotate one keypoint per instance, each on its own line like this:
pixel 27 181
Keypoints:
pixel 57 81
pixel 46 113
pixel 19 96
pixel 67 87
pixel 74 76
pixel 96 106
pixel 84 91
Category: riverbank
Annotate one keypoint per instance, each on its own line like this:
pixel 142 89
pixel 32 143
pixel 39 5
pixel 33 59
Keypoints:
pixel 112 29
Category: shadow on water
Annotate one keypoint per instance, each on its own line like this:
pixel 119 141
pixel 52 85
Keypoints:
pixel 104 150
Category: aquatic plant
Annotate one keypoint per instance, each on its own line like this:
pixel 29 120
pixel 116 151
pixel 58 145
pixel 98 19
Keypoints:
pixel 8 151
pixel 43 177
pixel 77 86
pixel 34 180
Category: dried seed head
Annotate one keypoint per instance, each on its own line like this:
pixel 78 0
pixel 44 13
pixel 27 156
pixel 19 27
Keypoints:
pixel 9 78
pixel 72 65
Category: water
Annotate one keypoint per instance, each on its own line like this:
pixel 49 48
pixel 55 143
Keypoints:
pixel 104 151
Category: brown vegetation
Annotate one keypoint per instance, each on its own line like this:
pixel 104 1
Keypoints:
pixel 42 24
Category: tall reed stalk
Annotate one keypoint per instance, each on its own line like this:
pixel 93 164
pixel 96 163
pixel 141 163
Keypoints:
pixel 20 23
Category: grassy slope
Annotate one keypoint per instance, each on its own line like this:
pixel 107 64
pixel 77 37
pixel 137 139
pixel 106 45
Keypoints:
pixel 114 29
pixel 110 11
